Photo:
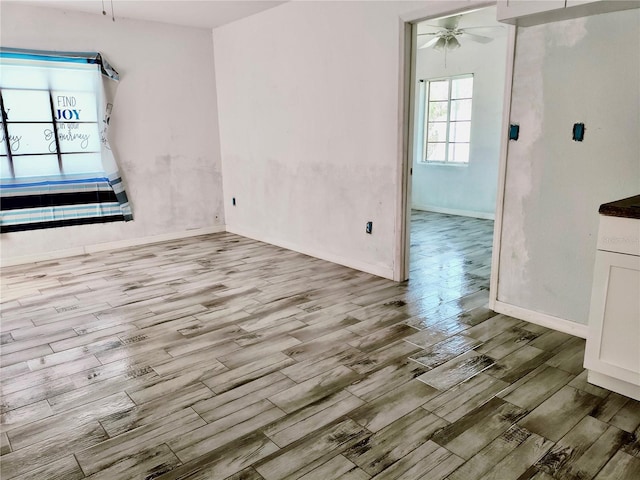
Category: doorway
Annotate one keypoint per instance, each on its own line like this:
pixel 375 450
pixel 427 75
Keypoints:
pixel 459 76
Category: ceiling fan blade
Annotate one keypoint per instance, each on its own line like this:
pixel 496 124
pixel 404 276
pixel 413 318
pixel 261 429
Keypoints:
pixel 477 38
pixel 450 23
pixel 485 27
pixel 431 33
pixel 430 43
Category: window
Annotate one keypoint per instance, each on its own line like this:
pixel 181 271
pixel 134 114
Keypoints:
pixel 47 130
pixel 56 166
pixel 447 119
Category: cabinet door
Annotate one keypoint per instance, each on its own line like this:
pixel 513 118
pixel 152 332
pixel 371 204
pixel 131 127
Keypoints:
pixel 594 7
pixel 573 3
pixel 512 9
pixel 526 13
pixel 613 342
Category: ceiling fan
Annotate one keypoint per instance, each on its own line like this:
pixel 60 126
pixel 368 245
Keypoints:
pixel 446 38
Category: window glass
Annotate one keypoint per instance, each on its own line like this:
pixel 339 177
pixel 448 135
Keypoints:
pixel 71 80
pixel 5 167
pixel 3 144
pixel 438 111
pixel 36 166
pixel 29 115
pixel 460 110
pixel 437 132
pixel 462 87
pixel 459 152
pixel 74 106
pixel 27 105
pixel 436 152
pixel 82 163
pixel 29 138
pixel 439 90
pixel 78 137
pixel 460 132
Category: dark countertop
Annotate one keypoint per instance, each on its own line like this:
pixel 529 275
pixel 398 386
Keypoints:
pixel 627 208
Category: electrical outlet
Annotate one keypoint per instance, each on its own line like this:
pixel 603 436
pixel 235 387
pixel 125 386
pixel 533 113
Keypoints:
pixel 369 227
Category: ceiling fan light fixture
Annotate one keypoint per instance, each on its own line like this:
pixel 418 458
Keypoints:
pixel 441 44
pixel 453 43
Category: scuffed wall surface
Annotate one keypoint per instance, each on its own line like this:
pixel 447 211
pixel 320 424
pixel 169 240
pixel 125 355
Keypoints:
pixel 469 188
pixel 308 95
pixel 164 125
pixel 583 70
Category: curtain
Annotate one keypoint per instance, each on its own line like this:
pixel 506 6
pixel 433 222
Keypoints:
pixel 56 165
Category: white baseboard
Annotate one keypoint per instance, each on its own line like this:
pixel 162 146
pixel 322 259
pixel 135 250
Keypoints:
pixel 42 257
pixel 380 271
pixel 101 247
pixel 614 384
pixel 132 242
pixel 542 319
pixel 454 211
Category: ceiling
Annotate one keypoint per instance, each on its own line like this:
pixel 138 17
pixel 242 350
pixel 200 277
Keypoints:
pixel 202 13
pixel 480 17
pixel 474 19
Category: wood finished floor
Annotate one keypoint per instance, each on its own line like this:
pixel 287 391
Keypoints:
pixel 220 357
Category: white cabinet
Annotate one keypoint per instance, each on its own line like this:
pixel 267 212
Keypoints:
pixel 508 9
pixel 525 13
pixel 612 354
pixel 571 3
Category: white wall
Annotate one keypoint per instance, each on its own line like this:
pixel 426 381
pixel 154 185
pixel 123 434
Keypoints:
pixel 584 70
pixel 308 96
pixel 466 189
pixel 164 128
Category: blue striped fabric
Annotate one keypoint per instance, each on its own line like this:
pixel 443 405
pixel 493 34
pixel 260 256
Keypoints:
pixel 35 215
pixel 71 190
pixel 94 58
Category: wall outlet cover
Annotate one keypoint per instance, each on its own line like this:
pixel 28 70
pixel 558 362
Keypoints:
pixel 514 132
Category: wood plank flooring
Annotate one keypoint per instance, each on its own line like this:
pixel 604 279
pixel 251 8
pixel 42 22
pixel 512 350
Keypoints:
pixel 219 357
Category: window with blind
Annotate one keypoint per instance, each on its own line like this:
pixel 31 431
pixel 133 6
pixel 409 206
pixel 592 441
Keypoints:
pixel 56 166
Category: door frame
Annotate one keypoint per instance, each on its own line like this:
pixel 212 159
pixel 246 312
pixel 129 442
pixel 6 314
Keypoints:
pixel 408 38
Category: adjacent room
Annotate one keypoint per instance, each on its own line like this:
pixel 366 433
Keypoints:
pixel 458 94
pixel 260 240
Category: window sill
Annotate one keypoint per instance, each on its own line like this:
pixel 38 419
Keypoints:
pixel 444 164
